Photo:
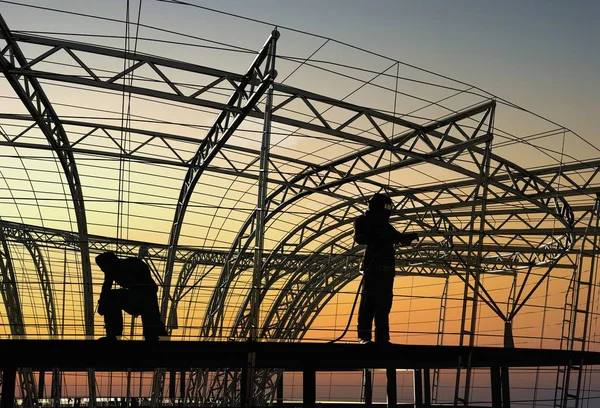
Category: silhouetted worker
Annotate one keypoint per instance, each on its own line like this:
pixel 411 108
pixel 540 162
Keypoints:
pixel 374 230
pixel 137 296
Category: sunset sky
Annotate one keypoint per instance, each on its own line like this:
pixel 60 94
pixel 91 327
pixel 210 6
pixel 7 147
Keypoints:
pixel 540 56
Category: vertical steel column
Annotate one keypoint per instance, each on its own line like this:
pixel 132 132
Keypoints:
pixel 172 385
pixel 426 387
pixel 309 387
pixel 55 393
pixel 280 389
pixel 510 305
pixel 392 393
pixel 92 387
pixel 263 179
pixel 418 387
pixel 182 388
pixel 247 381
pixel 505 386
pixel 41 384
pixel 567 391
pixel 8 387
pixel 368 386
pixel 440 339
pixel 496 384
pixel 473 269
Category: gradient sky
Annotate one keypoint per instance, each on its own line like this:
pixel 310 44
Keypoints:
pixel 542 55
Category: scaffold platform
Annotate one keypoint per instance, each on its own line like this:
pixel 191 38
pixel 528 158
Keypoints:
pixel 308 358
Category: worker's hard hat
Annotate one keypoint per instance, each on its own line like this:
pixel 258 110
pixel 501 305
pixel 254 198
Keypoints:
pixel 380 202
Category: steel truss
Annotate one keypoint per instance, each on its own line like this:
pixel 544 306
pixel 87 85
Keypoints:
pixel 39 106
pixel 576 321
pixel 308 281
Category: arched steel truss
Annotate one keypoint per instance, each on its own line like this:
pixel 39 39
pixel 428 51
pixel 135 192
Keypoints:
pixel 520 186
pixel 24 237
pixel 227 123
pixel 331 266
pixel 14 313
pixel 17 70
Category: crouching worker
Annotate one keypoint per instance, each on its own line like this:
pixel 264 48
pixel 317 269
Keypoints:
pixel 374 230
pixel 137 296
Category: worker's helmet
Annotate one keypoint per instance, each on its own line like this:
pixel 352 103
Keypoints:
pixel 380 202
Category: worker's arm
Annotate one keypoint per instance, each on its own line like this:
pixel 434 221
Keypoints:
pixel 362 232
pixel 107 284
pixel 389 233
pixel 104 293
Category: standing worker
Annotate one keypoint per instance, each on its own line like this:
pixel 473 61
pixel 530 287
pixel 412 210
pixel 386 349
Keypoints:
pixel 137 296
pixel 374 230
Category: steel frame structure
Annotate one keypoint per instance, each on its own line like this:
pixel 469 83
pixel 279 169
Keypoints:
pixel 460 143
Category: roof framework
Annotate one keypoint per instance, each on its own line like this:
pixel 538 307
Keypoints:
pixel 108 148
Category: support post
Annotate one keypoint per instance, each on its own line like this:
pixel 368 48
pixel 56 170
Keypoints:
pixel 508 335
pixel 261 210
pixel 471 295
pixel 309 387
pixel 418 387
pixel 91 387
pixel 496 383
pixel 56 387
pixel 427 387
pixel 280 390
pixel 247 381
pixel 505 387
pixel 500 387
pixel 182 388
pixel 41 384
pixel 368 386
pixel 8 387
pixel 172 383
pixel 392 395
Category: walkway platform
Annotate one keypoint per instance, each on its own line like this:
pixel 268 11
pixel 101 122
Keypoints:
pixel 140 355
pixel 308 358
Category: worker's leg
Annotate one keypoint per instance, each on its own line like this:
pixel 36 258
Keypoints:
pixel 365 316
pixel 382 318
pixel 111 307
pixel 151 321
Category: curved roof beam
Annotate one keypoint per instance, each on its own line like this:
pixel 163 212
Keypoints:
pixel 326 127
pixel 285 310
pixel 8 289
pixel 276 266
pixel 562 209
pixel 293 298
pixel 22 236
pixel 322 174
pixel 293 94
pixel 34 99
pixel 324 178
pixel 250 89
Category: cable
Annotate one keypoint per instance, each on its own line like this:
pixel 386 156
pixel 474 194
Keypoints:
pixel 351 313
